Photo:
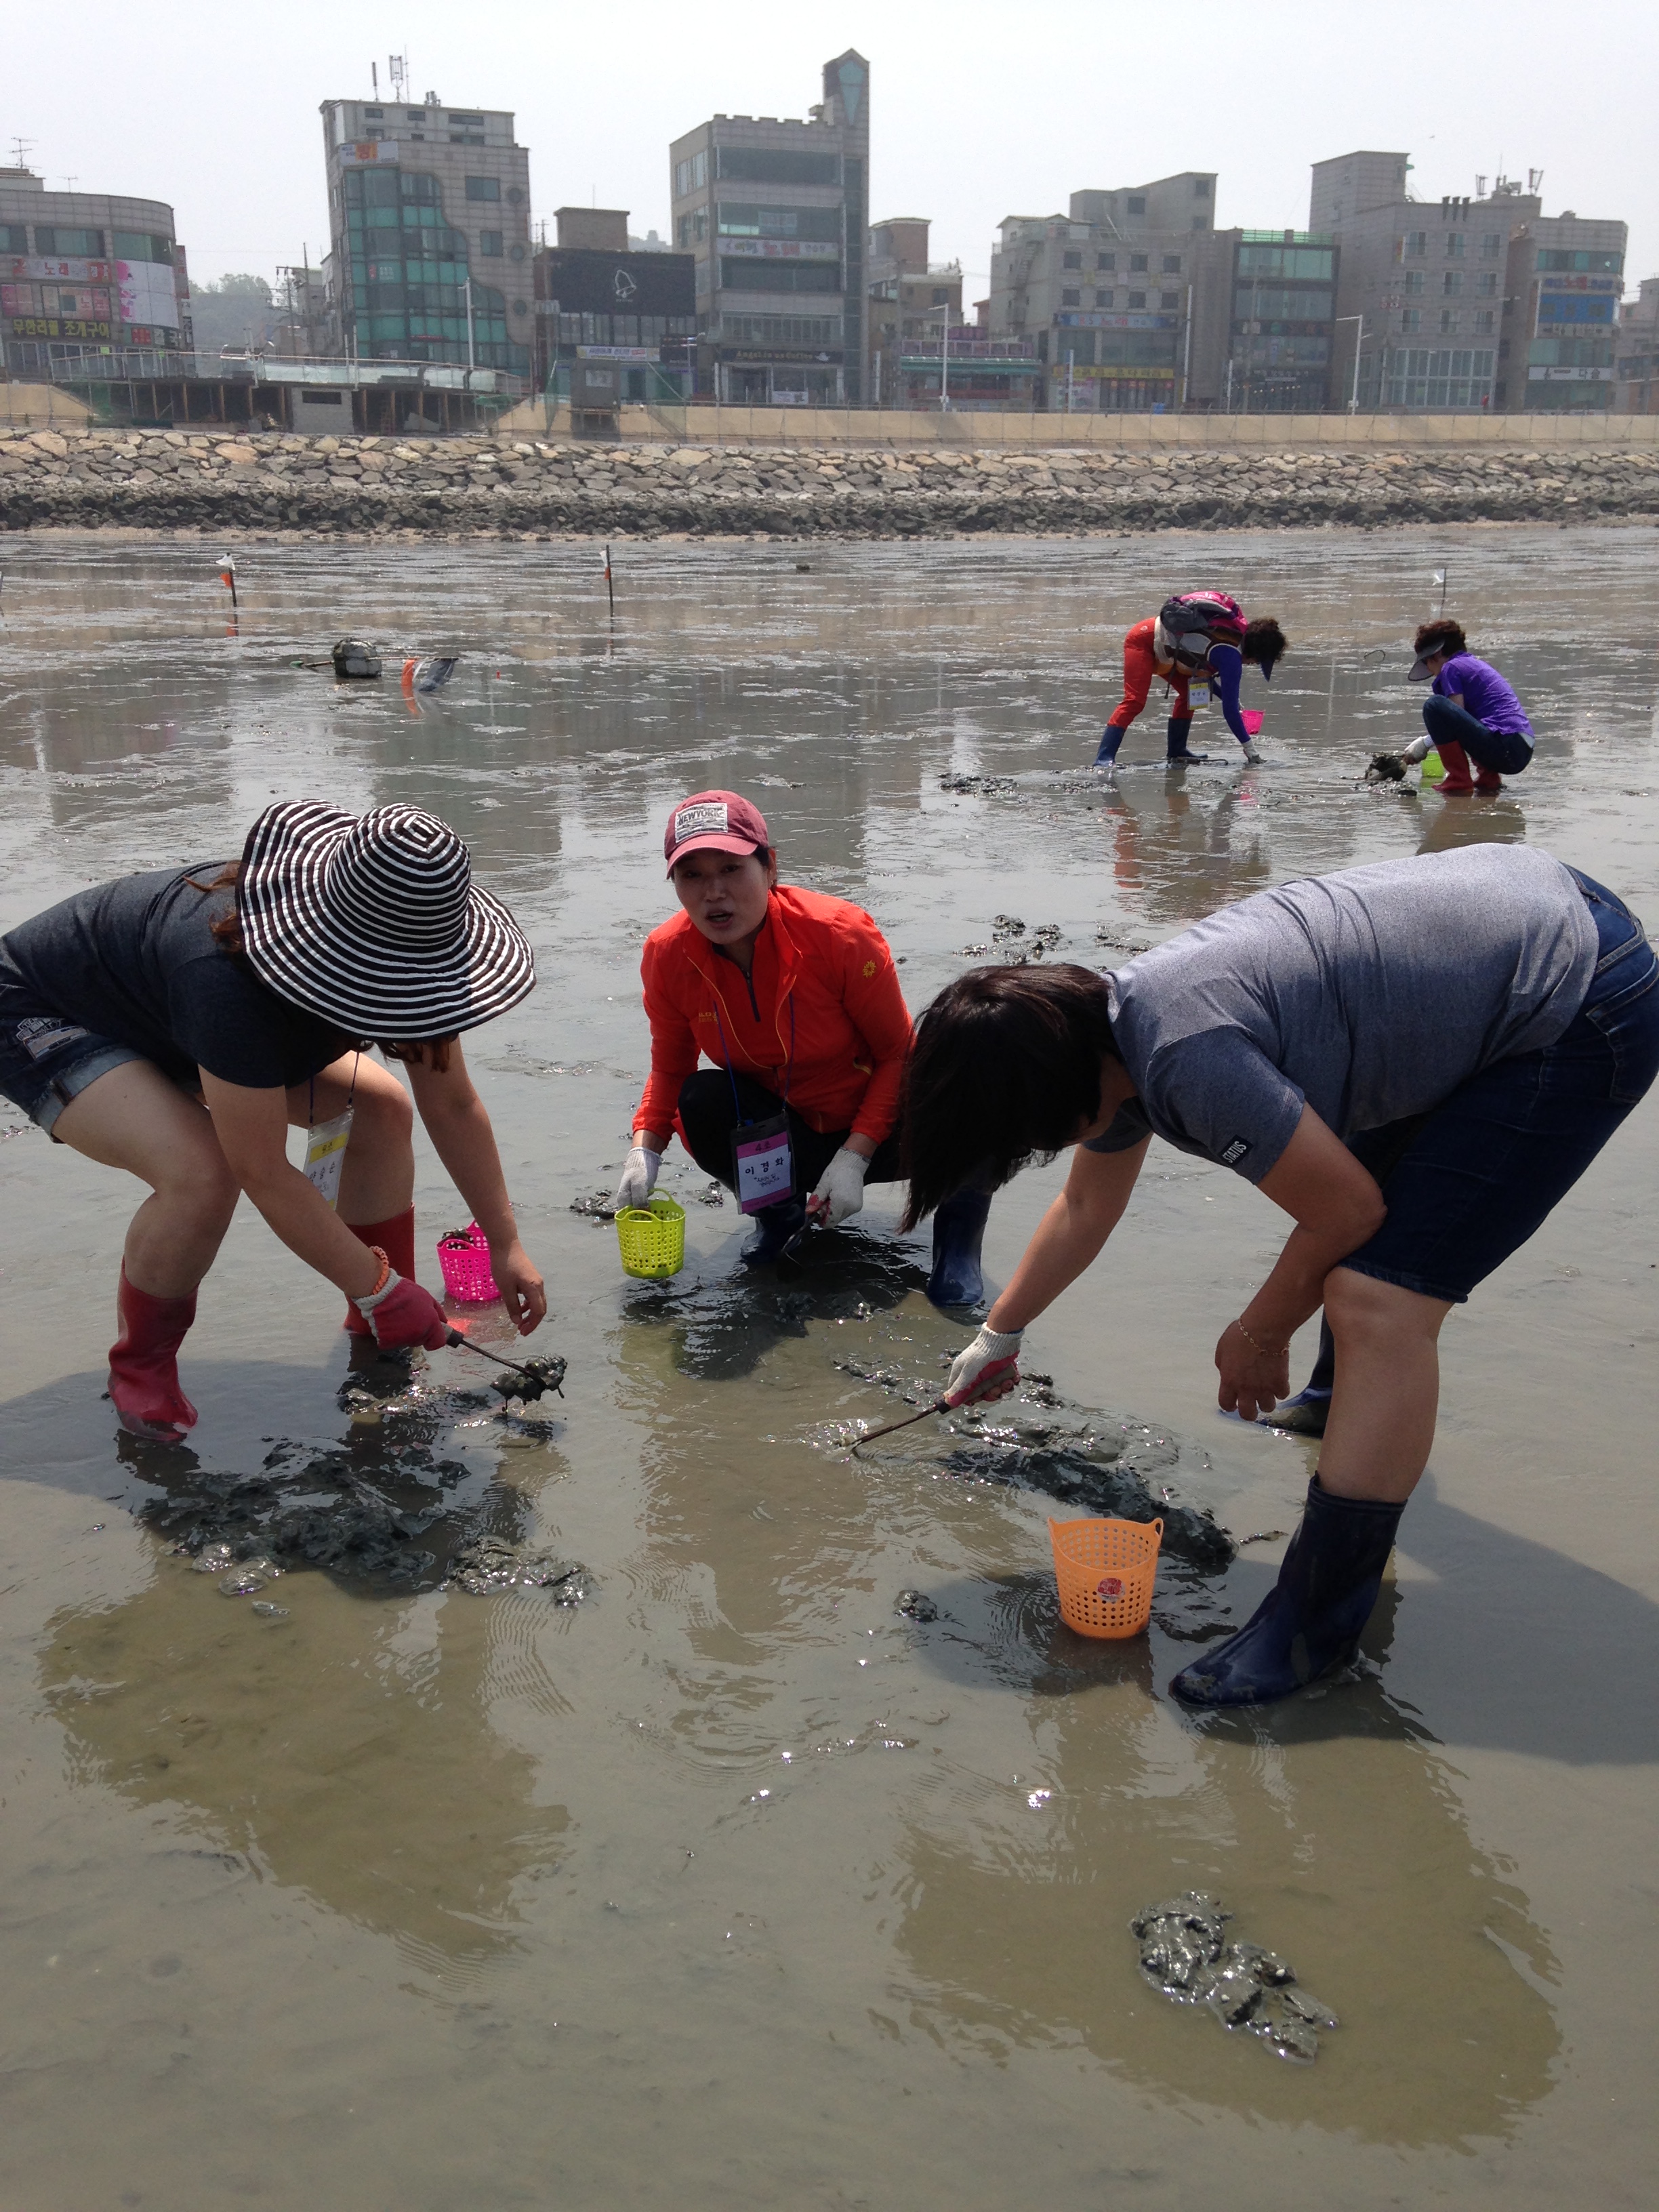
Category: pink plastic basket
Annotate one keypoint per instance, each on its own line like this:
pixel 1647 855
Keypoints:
pixel 1252 718
pixel 464 1255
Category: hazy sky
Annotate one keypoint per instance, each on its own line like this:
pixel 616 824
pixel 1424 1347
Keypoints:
pixel 978 110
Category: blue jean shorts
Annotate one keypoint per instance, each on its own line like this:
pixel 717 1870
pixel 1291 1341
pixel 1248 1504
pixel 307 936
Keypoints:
pixel 1468 1184
pixel 46 1061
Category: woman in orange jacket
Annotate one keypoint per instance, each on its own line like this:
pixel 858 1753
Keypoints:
pixel 794 998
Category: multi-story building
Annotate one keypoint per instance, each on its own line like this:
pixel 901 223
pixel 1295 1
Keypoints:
pixel 92 286
pixel 1284 306
pixel 1481 303
pixel 774 215
pixel 612 316
pixel 429 218
pixel 1127 298
pixel 1636 369
pixel 915 310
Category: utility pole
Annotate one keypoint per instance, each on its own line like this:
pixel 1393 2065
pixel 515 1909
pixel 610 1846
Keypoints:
pixel 1358 341
pixel 471 349
pixel 945 362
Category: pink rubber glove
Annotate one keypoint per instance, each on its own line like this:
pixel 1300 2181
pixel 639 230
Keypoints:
pixel 402 1314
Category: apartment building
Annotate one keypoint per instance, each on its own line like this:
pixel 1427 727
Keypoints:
pixel 93 285
pixel 1636 368
pixel 1476 303
pixel 1125 299
pixel 1282 326
pixel 775 213
pixel 612 317
pixel 430 219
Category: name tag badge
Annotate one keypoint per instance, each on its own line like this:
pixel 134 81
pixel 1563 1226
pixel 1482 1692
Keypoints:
pixel 326 1150
pixel 1198 694
pixel 764 1168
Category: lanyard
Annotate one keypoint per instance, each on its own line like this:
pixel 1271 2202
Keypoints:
pixel 789 1066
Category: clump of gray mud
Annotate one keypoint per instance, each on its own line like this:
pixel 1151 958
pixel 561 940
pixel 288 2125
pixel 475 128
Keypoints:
pixel 1186 1956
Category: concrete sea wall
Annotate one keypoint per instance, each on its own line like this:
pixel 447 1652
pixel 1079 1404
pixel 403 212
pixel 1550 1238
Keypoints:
pixel 218 481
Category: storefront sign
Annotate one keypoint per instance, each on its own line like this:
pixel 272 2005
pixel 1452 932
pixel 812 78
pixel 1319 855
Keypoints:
pixel 1569 376
pixel 1614 284
pixel 369 153
pixel 616 353
pixel 780 249
pixel 70 271
pixel 58 326
pixel 1073 322
pixel 759 356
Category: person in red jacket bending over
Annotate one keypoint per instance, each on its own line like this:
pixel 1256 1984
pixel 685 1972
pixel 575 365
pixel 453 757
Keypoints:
pixel 794 998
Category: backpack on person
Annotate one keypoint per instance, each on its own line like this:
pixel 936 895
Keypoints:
pixel 1192 622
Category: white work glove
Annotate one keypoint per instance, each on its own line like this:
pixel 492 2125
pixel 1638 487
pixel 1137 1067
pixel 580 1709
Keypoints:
pixel 989 1368
pixel 1419 749
pixel 840 1193
pixel 638 1177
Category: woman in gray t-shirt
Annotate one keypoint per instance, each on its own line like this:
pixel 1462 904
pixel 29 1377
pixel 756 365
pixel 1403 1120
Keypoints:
pixel 1414 1060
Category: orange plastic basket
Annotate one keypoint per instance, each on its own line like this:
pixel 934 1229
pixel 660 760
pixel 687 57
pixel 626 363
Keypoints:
pixel 1106 1571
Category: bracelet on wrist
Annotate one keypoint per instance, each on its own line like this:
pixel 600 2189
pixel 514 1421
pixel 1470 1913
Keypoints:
pixel 1266 1352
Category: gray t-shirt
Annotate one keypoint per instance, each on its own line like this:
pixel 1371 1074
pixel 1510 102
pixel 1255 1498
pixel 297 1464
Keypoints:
pixel 1369 994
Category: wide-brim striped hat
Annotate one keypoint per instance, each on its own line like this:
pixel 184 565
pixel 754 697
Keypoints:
pixel 373 922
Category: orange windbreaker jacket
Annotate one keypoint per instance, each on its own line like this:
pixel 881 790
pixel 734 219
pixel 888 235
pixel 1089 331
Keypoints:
pixel 820 957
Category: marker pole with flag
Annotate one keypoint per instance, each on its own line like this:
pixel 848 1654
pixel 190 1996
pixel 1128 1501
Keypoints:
pixel 227 577
pixel 610 589
pixel 1440 579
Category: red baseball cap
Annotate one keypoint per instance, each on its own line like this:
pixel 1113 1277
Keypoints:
pixel 713 822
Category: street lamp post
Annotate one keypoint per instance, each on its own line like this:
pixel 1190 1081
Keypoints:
pixel 1358 341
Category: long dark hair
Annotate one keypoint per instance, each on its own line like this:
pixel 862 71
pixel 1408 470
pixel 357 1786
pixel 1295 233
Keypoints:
pixel 226 931
pixel 1006 1069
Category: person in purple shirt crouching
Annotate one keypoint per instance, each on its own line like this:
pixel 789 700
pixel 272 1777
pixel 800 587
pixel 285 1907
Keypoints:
pixel 1473 714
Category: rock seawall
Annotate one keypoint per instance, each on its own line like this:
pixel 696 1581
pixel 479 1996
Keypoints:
pixel 216 480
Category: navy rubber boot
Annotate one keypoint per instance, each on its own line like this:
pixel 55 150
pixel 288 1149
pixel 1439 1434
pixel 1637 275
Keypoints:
pixel 1178 734
pixel 959 1232
pixel 1304 1415
pixel 1110 738
pixel 777 1229
pixel 1311 1620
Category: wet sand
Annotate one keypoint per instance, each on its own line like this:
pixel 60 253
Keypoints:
pixel 731 1886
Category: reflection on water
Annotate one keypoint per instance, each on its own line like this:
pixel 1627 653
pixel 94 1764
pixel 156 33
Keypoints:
pixel 734 1884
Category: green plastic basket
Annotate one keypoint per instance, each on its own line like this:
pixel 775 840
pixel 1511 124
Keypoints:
pixel 1434 770
pixel 652 1239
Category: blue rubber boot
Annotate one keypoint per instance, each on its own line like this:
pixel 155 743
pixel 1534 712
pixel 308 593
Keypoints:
pixel 1179 732
pixel 1110 738
pixel 959 1232
pixel 1304 1415
pixel 1311 1620
pixel 777 1230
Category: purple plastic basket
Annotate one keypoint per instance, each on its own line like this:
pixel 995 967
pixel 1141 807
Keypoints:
pixel 465 1259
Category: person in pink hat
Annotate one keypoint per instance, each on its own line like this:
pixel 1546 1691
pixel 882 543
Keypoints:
pixel 794 999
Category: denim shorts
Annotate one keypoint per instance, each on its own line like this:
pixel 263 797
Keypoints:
pixel 46 1061
pixel 1467 1183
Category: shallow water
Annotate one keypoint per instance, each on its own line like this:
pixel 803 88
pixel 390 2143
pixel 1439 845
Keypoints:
pixel 732 1884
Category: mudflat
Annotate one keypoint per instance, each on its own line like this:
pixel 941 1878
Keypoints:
pixel 794 1864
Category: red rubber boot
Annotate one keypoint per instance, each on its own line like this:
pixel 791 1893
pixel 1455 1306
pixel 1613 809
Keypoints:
pixel 1488 780
pixel 1457 782
pixel 396 1238
pixel 144 1365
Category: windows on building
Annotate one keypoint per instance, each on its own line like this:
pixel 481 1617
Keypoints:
pixel 483 188
pixel 1415 243
pixel 1454 245
pixel 1414 280
pixel 1411 318
pixel 1106 261
pixel 1565 257
pixel 14 238
pixel 1200 188
pixel 1167 300
pixel 1102 299
pixel 1070 298
pixel 1172 264
pixel 1137 299
pixel 1138 261
pixel 1448 318
pixel 690 176
pixel 140 245
pixel 747 275
pixel 1491 245
pixel 1484 319
pixel 1452 281
pixel 1486 283
pixel 490 245
pixel 1071 261
pixel 51 239
pixel 739 220
pixel 1136 204
pixel 764 164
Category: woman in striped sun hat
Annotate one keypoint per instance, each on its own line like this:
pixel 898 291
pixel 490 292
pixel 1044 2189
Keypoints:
pixel 175 1024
